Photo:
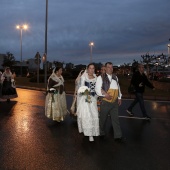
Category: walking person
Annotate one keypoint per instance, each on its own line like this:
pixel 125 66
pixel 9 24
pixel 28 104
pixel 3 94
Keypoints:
pixel 139 81
pixel 75 97
pixel 55 103
pixel 102 70
pixel 107 86
pixel 87 112
pixel 8 85
pixel 0 85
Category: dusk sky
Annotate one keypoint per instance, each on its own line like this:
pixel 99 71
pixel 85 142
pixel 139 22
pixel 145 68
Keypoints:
pixel 121 30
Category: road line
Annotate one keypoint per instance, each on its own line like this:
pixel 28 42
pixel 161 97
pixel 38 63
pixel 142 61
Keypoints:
pixel 132 117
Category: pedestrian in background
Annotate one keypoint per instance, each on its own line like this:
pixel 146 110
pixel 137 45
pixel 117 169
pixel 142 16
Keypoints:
pixel 55 103
pixel 103 70
pixel 73 108
pixel 8 85
pixel 0 85
pixel 102 73
pixel 139 81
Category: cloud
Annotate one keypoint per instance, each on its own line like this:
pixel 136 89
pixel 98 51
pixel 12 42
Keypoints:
pixel 121 30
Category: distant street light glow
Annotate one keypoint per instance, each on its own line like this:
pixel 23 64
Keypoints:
pixel 91 44
pixel 21 27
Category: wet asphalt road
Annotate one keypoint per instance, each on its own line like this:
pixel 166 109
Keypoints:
pixel 30 141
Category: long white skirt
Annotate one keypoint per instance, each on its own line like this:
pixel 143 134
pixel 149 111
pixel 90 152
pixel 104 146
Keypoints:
pixel 88 117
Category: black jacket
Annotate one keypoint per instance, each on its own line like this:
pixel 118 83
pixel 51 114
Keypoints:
pixel 138 78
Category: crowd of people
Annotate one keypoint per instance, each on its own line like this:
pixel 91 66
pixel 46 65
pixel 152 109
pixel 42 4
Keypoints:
pixel 89 89
pixel 96 98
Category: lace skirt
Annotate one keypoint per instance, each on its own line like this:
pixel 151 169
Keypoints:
pixel 88 117
pixel 55 106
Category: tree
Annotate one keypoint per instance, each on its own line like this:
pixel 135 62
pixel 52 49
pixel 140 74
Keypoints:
pixel 134 66
pixel 148 60
pixel 58 63
pixel 151 61
pixel 9 60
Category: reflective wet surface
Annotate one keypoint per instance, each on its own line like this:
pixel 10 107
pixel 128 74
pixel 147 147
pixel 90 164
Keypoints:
pixel 30 141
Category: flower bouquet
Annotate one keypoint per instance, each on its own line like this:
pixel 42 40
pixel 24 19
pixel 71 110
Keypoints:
pixel 85 91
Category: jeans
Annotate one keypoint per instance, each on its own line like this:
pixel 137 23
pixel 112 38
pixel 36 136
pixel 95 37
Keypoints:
pixel 138 98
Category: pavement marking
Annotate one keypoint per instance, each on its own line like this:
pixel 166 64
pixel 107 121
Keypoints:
pixel 133 117
pixel 156 100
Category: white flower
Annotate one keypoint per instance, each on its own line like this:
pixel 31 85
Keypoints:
pixel 85 91
pixel 82 89
pixel 51 89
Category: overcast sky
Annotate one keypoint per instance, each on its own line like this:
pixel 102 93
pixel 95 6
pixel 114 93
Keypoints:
pixel 122 30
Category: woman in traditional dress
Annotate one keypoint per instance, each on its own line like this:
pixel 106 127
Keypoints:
pixel 87 111
pixel 77 85
pixel 8 85
pixel 55 104
pixel 0 85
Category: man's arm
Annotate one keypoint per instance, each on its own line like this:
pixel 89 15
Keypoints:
pixel 148 83
pixel 98 87
pixel 119 91
pixel 99 90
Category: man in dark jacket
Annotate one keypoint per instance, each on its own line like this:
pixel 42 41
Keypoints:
pixel 139 81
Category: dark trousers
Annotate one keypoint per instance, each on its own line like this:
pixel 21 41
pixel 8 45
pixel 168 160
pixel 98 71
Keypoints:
pixel 138 98
pixel 107 108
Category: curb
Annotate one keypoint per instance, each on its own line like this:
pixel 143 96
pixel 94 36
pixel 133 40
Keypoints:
pixel 125 96
pixel 39 89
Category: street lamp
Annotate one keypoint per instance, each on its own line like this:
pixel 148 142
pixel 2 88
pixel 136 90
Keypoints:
pixel 45 54
pixel 91 44
pixel 44 58
pixel 169 54
pixel 21 27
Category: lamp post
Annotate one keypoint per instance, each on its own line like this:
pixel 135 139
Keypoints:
pixel 91 44
pixel 168 50
pixel 21 27
pixel 169 54
pixel 45 55
pixel 45 68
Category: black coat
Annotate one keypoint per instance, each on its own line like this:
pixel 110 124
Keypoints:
pixel 138 78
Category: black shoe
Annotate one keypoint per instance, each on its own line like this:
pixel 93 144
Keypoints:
pixel 8 100
pixel 102 137
pixel 147 117
pixel 120 140
pixel 129 112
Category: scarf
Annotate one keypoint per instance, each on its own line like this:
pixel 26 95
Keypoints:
pixel 59 80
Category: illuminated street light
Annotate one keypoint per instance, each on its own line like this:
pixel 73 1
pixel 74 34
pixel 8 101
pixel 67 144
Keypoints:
pixel 91 44
pixel 21 27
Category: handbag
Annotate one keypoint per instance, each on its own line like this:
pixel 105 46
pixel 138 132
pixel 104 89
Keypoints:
pixel 131 89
